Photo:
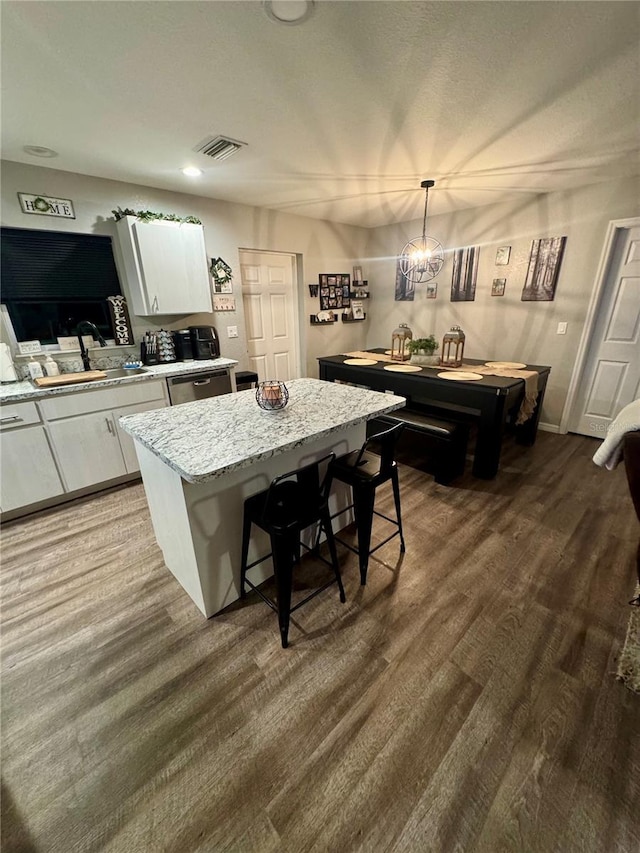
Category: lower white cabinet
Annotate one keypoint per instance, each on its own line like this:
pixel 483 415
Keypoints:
pixel 71 441
pixel 87 449
pixel 29 473
pixel 126 442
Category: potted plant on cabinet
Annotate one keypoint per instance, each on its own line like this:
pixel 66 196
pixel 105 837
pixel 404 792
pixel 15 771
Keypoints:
pixel 423 350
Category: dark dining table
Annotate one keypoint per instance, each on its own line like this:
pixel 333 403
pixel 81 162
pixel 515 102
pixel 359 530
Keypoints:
pixel 487 401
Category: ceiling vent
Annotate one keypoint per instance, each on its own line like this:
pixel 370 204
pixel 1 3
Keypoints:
pixel 219 147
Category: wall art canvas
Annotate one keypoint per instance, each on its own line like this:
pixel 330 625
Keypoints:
pixel 498 286
pixel 335 290
pixel 405 289
pixel 503 253
pixel 544 268
pixel 465 273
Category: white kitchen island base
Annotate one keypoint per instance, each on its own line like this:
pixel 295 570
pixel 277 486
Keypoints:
pixel 200 461
pixel 198 526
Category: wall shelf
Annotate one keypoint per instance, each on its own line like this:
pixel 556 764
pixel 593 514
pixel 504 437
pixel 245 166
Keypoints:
pixel 353 319
pixel 315 322
pixel 355 295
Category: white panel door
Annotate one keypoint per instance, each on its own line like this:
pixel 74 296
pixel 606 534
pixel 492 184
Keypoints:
pixel 270 308
pixel 611 377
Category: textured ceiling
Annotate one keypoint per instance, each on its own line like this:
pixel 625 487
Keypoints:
pixel 343 115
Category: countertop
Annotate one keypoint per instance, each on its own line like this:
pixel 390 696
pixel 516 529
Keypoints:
pixel 12 392
pixel 206 439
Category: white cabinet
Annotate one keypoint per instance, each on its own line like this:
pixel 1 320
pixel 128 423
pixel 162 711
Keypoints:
pixel 91 448
pixel 72 441
pixel 165 266
pixel 126 442
pixel 29 472
pixel 88 449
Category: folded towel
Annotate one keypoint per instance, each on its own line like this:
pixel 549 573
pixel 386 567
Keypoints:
pixel 609 454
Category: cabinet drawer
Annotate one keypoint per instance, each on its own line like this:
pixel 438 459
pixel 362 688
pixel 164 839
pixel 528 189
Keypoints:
pixel 101 399
pixel 18 414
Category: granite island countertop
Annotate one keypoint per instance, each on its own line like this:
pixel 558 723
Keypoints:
pixel 12 392
pixel 206 439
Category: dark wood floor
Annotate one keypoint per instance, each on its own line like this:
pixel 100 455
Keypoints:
pixel 463 701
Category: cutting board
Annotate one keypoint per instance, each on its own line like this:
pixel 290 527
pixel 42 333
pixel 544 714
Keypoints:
pixel 69 378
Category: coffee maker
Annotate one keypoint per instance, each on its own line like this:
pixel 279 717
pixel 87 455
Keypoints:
pixel 204 342
pixel 183 345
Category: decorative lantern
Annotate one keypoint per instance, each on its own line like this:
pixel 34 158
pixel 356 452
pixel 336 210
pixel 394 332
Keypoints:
pixel 452 347
pixel 399 343
pixel 272 395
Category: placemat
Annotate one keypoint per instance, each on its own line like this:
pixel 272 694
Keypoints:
pixel 360 362
pixel 403 368
pixel 460 376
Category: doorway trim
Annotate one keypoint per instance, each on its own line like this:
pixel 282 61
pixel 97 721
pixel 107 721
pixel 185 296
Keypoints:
pixel 615 225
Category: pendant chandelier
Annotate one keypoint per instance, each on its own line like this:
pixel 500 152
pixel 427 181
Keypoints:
pixel 423 257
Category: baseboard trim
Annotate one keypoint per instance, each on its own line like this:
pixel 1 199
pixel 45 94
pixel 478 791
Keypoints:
pixel 548 427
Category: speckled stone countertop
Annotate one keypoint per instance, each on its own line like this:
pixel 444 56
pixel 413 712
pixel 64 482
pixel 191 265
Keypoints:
pixel 208 438
pixel 12 392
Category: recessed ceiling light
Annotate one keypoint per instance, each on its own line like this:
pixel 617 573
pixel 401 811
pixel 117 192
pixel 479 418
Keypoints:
pixel 39 151
pixel 288 11
pixel 192 171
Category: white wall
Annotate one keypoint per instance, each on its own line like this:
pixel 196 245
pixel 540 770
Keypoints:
pixel 505 328
pixel 322 246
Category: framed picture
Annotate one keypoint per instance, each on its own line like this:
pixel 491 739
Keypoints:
pixel 465 273
pixel 544 267
pixel 432 290
pixel 405 289
pixel 498 286
pixel 221 276
pixel 357 311
pixel 334 290
pixel 503 253
pixel 357 274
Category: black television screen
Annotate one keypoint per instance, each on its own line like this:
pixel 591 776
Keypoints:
pixel 52 280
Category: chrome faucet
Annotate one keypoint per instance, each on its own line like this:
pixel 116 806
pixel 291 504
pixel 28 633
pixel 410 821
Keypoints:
pixel 95 334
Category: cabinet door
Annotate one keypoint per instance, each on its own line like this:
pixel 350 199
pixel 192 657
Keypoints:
pixel 173 264
pixel 29 472
pixel 126 442
pixel 88 449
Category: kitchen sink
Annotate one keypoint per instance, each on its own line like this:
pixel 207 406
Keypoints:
pixel 120 372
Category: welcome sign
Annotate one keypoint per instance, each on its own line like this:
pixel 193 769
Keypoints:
pixel 45 206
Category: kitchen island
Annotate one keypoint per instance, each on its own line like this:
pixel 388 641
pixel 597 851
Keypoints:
pixel 199 461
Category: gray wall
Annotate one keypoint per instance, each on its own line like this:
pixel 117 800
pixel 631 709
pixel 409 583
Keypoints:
pixel 496 327
pixel 322 246
pixel 505 328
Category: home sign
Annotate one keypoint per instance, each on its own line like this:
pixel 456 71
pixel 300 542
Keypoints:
pixel 45 206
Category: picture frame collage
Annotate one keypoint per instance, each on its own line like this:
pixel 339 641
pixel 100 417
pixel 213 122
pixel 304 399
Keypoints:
pixel 335 291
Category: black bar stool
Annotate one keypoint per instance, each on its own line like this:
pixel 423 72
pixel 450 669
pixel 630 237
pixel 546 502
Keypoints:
pixel 293 502
pixel 364 472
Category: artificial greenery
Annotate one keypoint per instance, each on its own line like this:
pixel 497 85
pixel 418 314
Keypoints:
pixel 428 345
pixel 150 216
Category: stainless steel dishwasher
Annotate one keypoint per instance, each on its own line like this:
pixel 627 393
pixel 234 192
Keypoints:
pixel 198 386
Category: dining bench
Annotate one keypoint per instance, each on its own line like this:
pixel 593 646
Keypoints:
pixel 443 442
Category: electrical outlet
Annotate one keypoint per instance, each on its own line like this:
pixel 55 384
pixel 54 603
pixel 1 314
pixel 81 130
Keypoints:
pixel 562 329
pixel 232 331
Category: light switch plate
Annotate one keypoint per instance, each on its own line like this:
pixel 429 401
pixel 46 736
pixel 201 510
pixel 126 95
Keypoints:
pixel 232 331
pixel 562 329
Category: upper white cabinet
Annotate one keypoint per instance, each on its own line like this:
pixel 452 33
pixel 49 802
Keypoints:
pixel 166 268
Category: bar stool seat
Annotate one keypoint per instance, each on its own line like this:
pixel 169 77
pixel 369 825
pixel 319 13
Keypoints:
pixel 292 503
pixel 364 472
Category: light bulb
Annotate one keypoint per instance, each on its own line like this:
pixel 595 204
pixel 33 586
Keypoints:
pixel 192 171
